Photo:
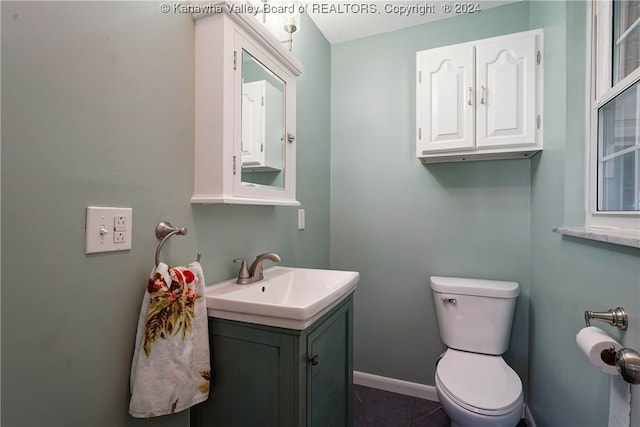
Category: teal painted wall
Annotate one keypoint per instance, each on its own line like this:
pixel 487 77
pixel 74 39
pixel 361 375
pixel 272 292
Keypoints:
pixel 97 109
pixel 570 275
pixel 399 222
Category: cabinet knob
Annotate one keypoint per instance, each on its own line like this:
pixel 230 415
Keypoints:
pixel 314 360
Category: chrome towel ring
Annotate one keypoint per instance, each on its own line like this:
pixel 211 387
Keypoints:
pixel 164 230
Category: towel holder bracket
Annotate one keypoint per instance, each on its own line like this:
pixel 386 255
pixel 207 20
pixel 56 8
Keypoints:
pixel 164 230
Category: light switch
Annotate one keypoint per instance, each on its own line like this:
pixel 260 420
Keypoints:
pixel 107 229
pixel 301 219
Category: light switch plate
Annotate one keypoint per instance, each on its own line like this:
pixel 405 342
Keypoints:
pixel 107 229
pixel 301 219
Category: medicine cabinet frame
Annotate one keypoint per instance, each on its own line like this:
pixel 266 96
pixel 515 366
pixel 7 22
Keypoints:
pixel 224 37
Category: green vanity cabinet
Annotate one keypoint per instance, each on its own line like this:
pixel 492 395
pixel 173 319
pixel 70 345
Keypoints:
pixel 268 376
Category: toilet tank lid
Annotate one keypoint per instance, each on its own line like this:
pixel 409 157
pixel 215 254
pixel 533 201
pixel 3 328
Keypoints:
pixel 478 287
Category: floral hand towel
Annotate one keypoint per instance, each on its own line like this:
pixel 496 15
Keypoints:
pixel 170 370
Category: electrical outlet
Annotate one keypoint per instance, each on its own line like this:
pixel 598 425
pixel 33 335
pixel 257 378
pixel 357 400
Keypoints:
pixel 107 229
pixel 120 223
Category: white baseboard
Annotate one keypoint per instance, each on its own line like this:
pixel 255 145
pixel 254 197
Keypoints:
pixel 421 391
pixel 529 416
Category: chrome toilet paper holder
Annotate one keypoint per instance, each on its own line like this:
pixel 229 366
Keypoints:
pixel 627 361
pixel 628 365
pixel 615 317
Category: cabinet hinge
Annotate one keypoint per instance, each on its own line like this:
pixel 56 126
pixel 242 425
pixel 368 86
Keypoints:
pixel 538 121
pixel 262 101
pixel 419 76
pixel 419 133
pixel 538 57
pixel 235 59
pixel 262 148
pixel 234 165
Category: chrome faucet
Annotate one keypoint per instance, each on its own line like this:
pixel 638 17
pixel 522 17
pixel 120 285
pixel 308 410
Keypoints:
pixel 254 273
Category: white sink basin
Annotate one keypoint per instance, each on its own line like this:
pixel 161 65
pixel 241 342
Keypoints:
pixel 288 297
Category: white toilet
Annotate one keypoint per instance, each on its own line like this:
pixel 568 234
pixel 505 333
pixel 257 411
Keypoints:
pixel 475 385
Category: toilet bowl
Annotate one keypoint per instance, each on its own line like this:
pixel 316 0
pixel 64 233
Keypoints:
pixel 473 382
pixel 478 390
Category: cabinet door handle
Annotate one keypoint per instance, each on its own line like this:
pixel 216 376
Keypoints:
pixel 314 360
pixel 470 95
pixel 482 95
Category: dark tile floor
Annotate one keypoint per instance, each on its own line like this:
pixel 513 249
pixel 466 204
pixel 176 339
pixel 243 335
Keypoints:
pixel 378 408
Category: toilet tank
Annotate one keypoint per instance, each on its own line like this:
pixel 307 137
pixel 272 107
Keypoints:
pixel 474 315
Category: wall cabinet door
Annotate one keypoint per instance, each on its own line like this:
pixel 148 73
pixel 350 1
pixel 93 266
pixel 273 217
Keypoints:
pixel 445 103
pixel 480 100
pixel 506 97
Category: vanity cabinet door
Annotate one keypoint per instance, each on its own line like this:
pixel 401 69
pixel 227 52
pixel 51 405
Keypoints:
pixel 330 372
pixel 252 380
pixel 506 97
pixel 266 376
pixel 445 107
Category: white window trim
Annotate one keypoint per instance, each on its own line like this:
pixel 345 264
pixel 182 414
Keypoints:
pixel 599 92
pixel 620 228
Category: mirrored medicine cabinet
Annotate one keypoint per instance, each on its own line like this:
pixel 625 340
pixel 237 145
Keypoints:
pixel 263 124
pixel 245 122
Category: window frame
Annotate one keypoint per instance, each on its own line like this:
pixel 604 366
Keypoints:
pixel 599 92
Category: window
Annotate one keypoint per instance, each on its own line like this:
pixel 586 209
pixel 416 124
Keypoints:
pixel 614 163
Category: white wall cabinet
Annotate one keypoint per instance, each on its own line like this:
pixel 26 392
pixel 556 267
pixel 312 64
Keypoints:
pixel 244 152
pixel 252 135
pixel 262 135
pixel 480 100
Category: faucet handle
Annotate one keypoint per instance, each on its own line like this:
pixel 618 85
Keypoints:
pixel 243 273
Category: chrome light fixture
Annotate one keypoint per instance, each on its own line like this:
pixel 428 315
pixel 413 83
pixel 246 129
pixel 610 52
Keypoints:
pixel 262 12
pixel 291 23
pixel 283 18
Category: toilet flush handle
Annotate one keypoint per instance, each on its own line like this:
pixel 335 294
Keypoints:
pixel 449 300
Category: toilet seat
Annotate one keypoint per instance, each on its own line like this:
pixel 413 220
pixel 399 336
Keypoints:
pixel 480 383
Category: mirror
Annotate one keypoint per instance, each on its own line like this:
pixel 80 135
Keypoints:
pixel 263 125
